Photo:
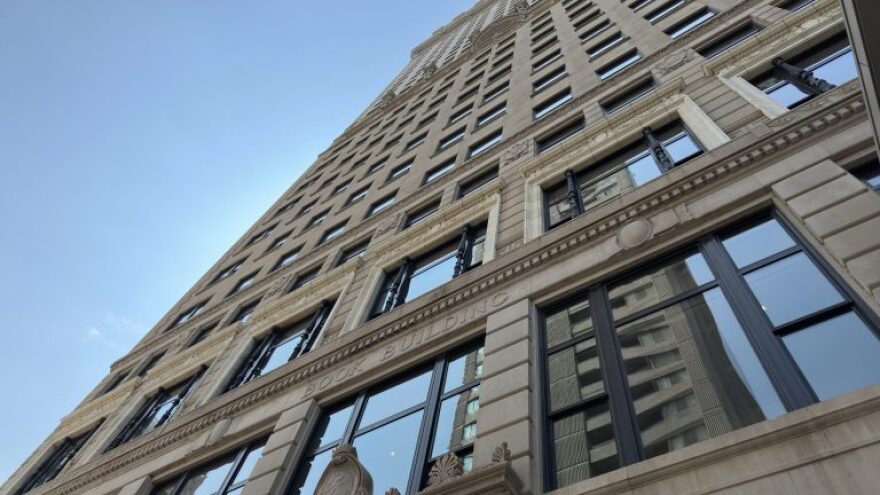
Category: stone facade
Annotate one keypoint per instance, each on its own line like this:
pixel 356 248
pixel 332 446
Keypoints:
pixel 756 156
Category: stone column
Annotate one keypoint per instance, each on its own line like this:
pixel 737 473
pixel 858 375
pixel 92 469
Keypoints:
pixel 281 450
pixel 861 19
pixel 505 406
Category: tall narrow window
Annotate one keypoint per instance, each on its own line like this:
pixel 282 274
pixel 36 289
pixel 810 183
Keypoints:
pixel 606 45
pixel 618 64
pixel 559 135
pixel 281 346
pixel 401 429
pixel 243 316
pixel 286 259
pixel 548 80
pixel 417 276
pixel 485 144
pixel 656 153
pixel 439 171
pixel 491 114
pixel 157 410
pixel 244 283
pixel 228 271
pixel 59 459
pixel 477 182
pixel 381 205
pixel 730 40
pixel 450 139
pixel 189 314
pixel 799 79
pixel 417 216
pixel 695 346
pixel 224 476
pixel 332 233
pixel 547 106
pixel 689 23
pixel 399 171
pixel 630 95
pixel 150 364
pixel 869 173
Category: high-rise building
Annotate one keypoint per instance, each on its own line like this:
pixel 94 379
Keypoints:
pixel 593 246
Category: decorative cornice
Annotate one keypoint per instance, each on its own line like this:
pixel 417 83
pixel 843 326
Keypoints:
pixel 847 105
pixel 447 219
pixel 295 303
pixel 776 38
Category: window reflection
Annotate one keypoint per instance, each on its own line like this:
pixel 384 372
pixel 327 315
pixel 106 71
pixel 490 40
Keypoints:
pixel 584 445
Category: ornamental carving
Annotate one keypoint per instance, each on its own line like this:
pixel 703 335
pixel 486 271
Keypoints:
pixel 446 468
pixel 345 475
pixel 496 31
pixel 516 151
pixel 392 491
pixel 428 71
pixel 501 454
pixel 672 62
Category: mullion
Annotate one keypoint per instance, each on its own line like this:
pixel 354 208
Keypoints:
pixel 769 260
pixel 581 404
pixel 620 401
pixel 665 304
pixel 459 389
pixel 428 427
pixel 813 318
pixel 784 374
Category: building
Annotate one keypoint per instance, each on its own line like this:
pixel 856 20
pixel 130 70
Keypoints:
pixel 576 247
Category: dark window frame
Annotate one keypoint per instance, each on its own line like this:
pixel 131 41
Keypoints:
pixel 430 407
pixel 788 382
pixel 254 364
pixel 61 456
pixel 238 457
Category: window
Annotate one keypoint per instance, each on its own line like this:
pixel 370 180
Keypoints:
pixel 657 152
pixel 547 44
pixel 477 182
pixel 495 92
pixel 261 235
pixel 399 171
pixel 547 60
pixel 697 345
pixel 157 410
pixel 357 196
pixel 317 219
pixel 278 242
pixel 466 94
pixel 305 278
pixel 605 45
pixel 332 233
pixel 224 476
pixel 664 10
pixel 116 381
pixel 473 79
pixel 306 208
pixel 202 333
pixel 228 271
pixel 416 141
pixel 628 96
pixel 639 4
pixel 378 165
pixel 60 457
pixel 400 429
pixel 427 120
pixel 794 5
pixel 394 140
pixel 341 187
pixel 287 207
pixel 689 23
pixel 243 316
pixel 418 276
pixel 439 171
pixel 547 32
pixel 460 114
pixel 150 364
pixel 189 314
pixel 491 114
pixel 730 40
pixel 329 181
pixel 381 205
pixel 550 104
pixel 450 139
pixel 869 173
pixel 618 64
pixel 281 346
pixel 549 79
pixel 485 144
pixel 286 259
pixel 417 216
pixel 559 135
pixel 353 252
pixel 818 70
pixel 595 31
pixel 244 283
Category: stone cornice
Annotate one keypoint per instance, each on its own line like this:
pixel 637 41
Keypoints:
pixel 776 38
pixel 824 113
pixel 294 304
pixel 452 216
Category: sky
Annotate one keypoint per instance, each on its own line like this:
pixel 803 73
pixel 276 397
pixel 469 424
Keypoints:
pixel 138 141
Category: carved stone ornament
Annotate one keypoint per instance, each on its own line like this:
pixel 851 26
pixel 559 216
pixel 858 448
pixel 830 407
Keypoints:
pixel 446 468
pixel 386 99
pixel 672 62
pixel 516 151
pixel 635 234
pixel 501 454
pixel 392 491
pixel 345 475
pixel 522 9
pixel 428 70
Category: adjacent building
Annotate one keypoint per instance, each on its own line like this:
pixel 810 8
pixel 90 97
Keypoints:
pixel 575 247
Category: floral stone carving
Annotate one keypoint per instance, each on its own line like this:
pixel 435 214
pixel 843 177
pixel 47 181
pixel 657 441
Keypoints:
pixel 501 454
pixel 345 475
pixel 446 468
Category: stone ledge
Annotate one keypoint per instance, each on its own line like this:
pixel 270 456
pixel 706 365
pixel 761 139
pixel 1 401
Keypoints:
pixel 495 479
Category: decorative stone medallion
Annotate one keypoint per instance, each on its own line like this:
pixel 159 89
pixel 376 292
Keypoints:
pixel 345 475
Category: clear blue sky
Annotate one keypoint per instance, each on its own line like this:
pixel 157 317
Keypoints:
pixel 138 140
